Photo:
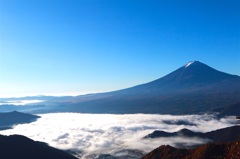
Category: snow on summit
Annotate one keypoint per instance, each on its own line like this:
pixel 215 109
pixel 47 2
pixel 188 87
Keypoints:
pixel 189 63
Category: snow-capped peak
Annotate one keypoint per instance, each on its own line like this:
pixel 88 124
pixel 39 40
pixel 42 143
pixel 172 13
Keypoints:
pixel 189 63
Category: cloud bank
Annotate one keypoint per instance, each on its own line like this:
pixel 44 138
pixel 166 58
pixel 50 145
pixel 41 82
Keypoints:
pixel 93 134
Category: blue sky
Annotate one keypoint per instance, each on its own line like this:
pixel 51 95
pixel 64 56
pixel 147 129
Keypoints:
pixel 79 46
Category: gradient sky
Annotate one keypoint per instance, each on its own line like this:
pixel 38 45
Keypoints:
pixel 62 47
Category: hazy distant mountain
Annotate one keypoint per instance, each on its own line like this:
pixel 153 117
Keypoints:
pixel 7 120
pixel 208 151
pixel 228 134
pixel 193 88
pixel 21 147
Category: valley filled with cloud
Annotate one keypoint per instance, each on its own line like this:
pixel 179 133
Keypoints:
pixel 91 135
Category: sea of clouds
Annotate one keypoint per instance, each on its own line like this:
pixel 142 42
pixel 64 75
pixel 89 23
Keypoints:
pixel 89 135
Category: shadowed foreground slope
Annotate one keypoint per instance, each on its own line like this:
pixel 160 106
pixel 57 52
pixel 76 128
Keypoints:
pixel 21 147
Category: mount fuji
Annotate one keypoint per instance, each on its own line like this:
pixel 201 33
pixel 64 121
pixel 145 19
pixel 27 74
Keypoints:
pixel 193 88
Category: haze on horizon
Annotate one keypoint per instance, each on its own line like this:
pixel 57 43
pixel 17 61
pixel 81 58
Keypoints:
pixel 50 47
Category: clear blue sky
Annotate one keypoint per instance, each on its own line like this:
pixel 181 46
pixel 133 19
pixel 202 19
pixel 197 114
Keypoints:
pixel 80 46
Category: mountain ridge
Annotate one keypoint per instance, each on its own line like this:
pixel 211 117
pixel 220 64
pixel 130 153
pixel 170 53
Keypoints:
pixel 228 134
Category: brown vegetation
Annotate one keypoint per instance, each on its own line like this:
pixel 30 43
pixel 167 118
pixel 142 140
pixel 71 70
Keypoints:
pixel 229 150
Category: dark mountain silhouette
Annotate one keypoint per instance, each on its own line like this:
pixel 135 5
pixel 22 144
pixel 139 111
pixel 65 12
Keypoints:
pixel 7 120
pixel 228 134
pixel 17 146
pixel 179 122
pixel 193 88
pixel 209 151
pixel 182 132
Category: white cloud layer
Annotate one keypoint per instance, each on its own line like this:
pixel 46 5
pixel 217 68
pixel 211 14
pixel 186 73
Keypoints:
pixel 108 133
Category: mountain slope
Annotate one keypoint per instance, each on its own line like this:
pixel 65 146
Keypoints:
pixel 233 109
pixel 17 146
pixel 213 151
pixel 193 75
